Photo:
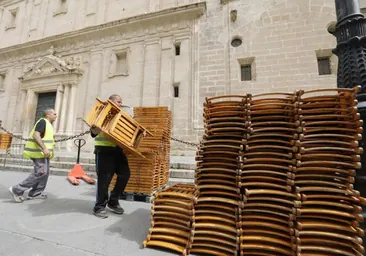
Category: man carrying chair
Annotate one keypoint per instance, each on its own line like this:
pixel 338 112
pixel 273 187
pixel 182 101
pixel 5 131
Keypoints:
pixel 109 159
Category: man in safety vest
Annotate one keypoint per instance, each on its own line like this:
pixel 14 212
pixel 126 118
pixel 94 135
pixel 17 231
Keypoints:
pixel 38 148
pixel 109 159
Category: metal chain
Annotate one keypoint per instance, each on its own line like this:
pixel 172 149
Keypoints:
pixel 73 137
pixel 11 134
pixel 60 140
pixel 87 132
pixel 184 142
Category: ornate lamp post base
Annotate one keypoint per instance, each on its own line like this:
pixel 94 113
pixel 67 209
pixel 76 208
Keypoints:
pixel 350 32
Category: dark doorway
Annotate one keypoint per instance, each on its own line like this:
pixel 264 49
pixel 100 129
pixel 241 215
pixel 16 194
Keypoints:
pixel 45 100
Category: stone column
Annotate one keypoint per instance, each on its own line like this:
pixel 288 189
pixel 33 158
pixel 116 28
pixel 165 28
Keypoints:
pixel 71 106
pixel 181 107
pixel 94 80
pixel 64 109
pixel 27 108
pixel 58 106
pixel 151 74
pixel 166 72
pixel 22 113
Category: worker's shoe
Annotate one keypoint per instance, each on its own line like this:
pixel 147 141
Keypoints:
pixel 17 198
pixel 39 196
pixel 101 214
pixel 116 208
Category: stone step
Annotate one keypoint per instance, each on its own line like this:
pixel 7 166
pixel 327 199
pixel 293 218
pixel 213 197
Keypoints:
pixel 182 174
pixel 68 162
pixel 82 160
pixel 67 166
pixel 181 167
pixel 29 168
pixel 173 181
pixel 187 166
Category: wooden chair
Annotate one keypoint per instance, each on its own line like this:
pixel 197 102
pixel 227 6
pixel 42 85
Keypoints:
pixel 117 125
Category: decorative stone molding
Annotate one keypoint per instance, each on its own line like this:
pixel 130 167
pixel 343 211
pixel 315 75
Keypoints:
pixel 9 2
pixel 85 44
pixel 124 29
pixel 53 74
pixel 51 65
pixel 225 1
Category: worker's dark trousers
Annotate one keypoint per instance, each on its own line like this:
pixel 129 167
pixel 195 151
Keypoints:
pixel 107 164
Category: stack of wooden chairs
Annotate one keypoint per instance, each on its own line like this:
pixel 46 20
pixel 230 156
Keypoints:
pixel 217 176
pixel 330 209
pixel 159 121
pixel 275 176
pixel 172 216
pixel 150 173
pixel 5 140
pixel 267 176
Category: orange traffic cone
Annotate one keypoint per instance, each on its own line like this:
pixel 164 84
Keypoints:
pixel 78 173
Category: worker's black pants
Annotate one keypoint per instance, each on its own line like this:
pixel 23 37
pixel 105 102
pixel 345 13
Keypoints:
pixel 109 162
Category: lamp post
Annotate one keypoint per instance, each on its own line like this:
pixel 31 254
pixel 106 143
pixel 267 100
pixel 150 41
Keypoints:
pixel 350 32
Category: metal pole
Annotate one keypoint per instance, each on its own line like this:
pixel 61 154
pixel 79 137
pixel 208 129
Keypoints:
pixel 350 32
pixel 80 144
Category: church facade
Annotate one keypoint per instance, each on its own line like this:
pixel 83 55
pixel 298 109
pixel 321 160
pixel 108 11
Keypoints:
pixel 64 54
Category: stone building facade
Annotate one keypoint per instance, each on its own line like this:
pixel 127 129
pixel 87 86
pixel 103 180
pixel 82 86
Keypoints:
pixel 156 53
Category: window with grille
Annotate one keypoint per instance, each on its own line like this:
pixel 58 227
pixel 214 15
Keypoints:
pixel 246 72
pixel 324 66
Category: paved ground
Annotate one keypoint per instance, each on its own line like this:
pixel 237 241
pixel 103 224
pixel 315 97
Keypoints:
pixel 186 159
pixel 63 225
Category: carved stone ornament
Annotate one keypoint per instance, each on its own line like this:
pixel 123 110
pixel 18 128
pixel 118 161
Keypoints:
pixel 53 64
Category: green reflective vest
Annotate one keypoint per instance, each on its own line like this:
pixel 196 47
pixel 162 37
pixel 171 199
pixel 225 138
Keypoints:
pixel 32 149
pixel 101 140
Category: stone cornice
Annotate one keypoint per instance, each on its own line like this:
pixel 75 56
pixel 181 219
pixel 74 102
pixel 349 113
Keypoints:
pixel 9 2
pixel 189 11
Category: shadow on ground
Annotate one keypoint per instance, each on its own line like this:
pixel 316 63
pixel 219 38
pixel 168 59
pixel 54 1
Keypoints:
pixel 53 205
pixel 91 191
pixel 133 226
pixel 4 193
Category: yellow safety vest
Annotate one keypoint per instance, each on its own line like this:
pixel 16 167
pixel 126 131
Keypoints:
pixel 32 149
pixel 101 140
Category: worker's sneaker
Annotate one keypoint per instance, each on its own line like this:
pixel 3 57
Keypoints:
pixel 101 214
pixel 17 198
pixel 39 196
pixel 116 208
